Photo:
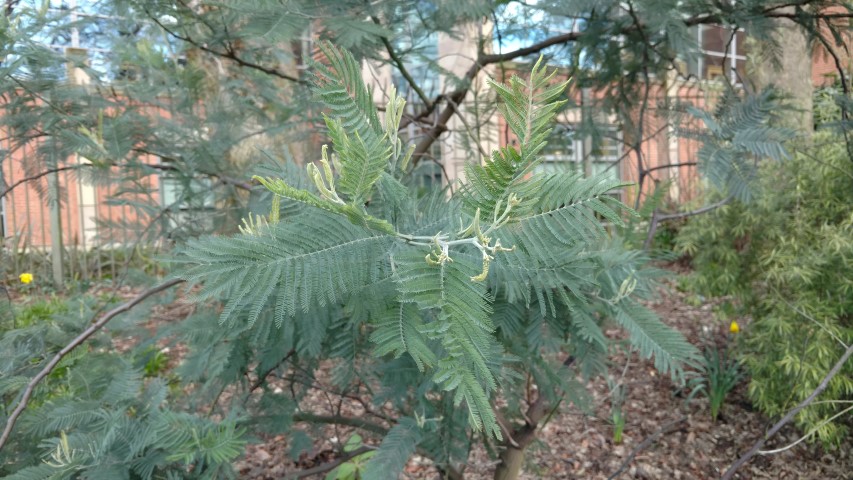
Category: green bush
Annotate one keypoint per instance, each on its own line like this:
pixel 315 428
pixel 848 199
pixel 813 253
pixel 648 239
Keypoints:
pixel 720 377
pixel 787 258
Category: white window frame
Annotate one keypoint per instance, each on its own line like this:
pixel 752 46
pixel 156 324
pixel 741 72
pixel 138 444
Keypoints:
pixel 579 153
pixel 3 228
pixel 732 55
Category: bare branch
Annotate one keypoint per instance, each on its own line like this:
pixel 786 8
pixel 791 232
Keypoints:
pixel 36 177
pixel 328 466
pixel 340 420
pixel 698 211
pixel 402 67
pixel 789 416
pixel 229 53
pixel 657 218
pixel 666 428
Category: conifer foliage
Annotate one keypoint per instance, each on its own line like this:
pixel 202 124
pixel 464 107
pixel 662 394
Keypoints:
pixel 456 293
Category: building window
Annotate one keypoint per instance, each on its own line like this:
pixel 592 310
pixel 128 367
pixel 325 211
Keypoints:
pixel 427 175
pixel 606 152
pixel 723 52
pixel 191 203
pixel 567 153
pixel 562 153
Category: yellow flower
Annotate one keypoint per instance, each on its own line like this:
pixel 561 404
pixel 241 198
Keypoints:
pixel 734 327
pixel 26 278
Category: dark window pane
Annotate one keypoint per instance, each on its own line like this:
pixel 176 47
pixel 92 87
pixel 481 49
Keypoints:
pixel 714 38
pixel 713 67
pixel 560 144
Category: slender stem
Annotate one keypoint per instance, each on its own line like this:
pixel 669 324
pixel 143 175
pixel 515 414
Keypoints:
pixel 328 466
pixel 811 432
pixel 340 420
pixel 789 416
pixel 646 443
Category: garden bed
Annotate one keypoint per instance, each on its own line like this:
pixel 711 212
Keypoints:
pixel 666 436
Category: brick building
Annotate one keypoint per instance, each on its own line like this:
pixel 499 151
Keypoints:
pixel 663 155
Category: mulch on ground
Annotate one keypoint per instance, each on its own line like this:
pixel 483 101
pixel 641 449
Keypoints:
pixel 666 435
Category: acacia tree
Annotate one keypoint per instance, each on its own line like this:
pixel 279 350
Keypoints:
pixel 447 301
pixel 443 305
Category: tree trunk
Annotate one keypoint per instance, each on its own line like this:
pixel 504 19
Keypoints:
pixel 511 461
pixel 792 75
pixel 515 443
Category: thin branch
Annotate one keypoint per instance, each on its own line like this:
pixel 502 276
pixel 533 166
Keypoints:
pixel 671 165
pixel 229 53
pixel 263 376
pixel 698 211
pixel 243 185
pixel 789 416
pixel 340 420
pixel 468 129
pixel 645 444
pixel 93 328
pixel 804 437
pixel 328 466
pixel 36 177
pixel 402 66
pixel 657 218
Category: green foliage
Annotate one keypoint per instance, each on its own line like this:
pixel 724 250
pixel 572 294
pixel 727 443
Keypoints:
pixel 738 132
pixel 435 302
pixel 354 468
pixel 721 373
pixel 460 295
pixel 38 311
pixel 617 410
pixel 786 257
pixel 101 413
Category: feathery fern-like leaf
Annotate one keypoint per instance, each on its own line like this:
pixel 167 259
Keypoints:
pixel 394 451
pixel 529 108
pixel 462 325
pixel 307 262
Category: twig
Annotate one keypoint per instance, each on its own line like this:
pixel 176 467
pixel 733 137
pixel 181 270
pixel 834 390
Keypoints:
pixel 401 66
pixel 804 437
pixel 93 328
pixel 229 53
pixel 263 376
pixel 657 218
pixel 789 416
pixel 36 177
pixel 340 420
pixel 698 211
pixel 468 129
pixel 328 466
pixel 648 441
